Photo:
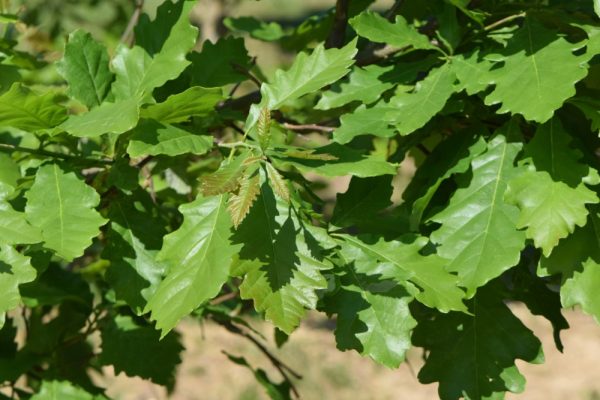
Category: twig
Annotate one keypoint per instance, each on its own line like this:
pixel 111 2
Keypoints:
pixel 222 299
pixel 423 149
pixel 307 127
pixel 340 23
pixel 393 11
pixel 247 72
pixel 128 35
pixel 8 148
pixel 283 369
pixel 503 21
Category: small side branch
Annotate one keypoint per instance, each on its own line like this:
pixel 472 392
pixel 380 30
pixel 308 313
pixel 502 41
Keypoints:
pixel 8 148
pixel 307 127
pixel 128 36
pixel 340 23
pixel 503 21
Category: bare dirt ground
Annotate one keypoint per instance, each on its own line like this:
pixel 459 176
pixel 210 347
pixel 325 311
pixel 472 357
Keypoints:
pixel 206 373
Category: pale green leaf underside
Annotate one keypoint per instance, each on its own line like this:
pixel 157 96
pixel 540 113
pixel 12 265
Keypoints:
pixel 63 207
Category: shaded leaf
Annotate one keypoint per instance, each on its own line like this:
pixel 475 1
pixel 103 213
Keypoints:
pixel 138 350
pixel 281 261
pixel 481 348
pixel 346 161
pixel 219 63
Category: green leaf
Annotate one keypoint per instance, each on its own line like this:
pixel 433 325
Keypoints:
pixel 133 242
pixel 424 277
pixel 480 348
pixel 220 63
pixel 365 85
pixel 241 202
pixel 281 261
pixel 530 82
pixel 23 109
pixel 400 34
pixel 193 102
pixel 153 62
pixel 63 390
pixel 582 289
pixel 9 176
pixel 471 71
pixel 478 233
pixel 308 74
pixel 153 138
pixel 410 111
pixel 85 68
pixel 62 206
pixel 15 269
pixel 197 255
pixel 364 198
pixel 550 210
pixel 340 160
pixel 452 156
pixel 364 121
pixel 115 118
pixel 267 31
pixel 373 321
pixel 138 350
pixel 14 228
pixel 407 111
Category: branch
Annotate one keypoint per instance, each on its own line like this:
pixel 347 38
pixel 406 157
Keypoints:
pixel 128 36
pixel 503 21
pixel 8 148
pixel 393 11
pixel 307 127
pixel 340 23
pixel 283 368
